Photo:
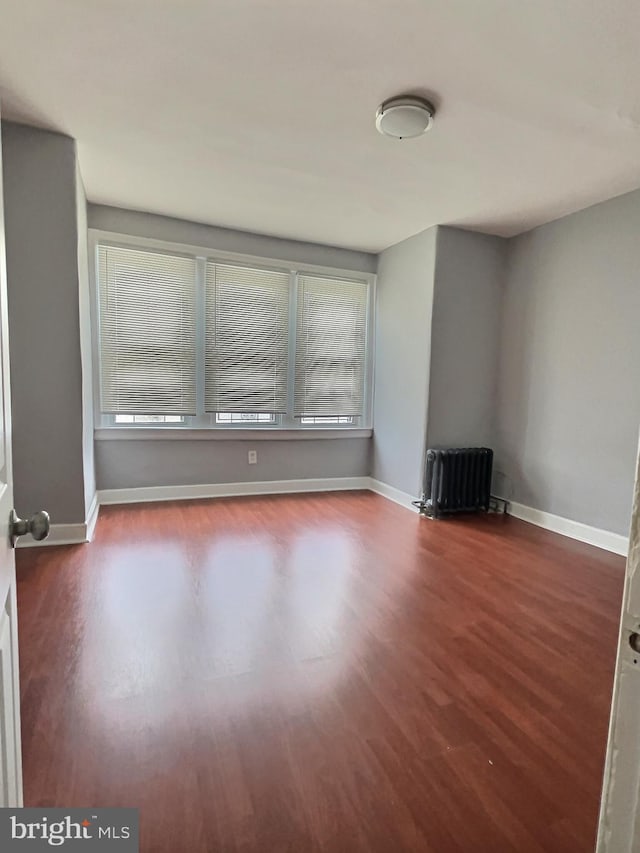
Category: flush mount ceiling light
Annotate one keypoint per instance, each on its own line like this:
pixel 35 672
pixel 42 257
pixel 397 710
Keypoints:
pixel 404 117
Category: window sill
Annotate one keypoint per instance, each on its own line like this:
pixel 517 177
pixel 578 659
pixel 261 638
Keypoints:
pixel 227 434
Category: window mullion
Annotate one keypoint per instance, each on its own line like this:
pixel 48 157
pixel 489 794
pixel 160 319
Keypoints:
pixel 288 420
pixel 201 335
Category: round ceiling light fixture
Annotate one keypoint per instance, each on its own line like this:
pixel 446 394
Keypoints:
pixel 405 117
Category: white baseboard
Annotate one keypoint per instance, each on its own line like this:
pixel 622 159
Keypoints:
pixel 74 534
pixel 59 534
pixel 146 494
pixel 392 494
pixel 604 539
pixel 67 534
pixel 614 542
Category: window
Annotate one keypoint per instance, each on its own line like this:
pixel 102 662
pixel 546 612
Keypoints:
pixel 186 340
pixel 247 339
pixel 148 419
pixel 330 347
pixel 244 418
pixel 147 333
pixel 324 421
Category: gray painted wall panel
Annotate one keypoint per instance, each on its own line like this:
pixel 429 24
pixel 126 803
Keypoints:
pixel 44 331
pixel 128 464
pixel 403 331
pixel 465 338
pixel 569 396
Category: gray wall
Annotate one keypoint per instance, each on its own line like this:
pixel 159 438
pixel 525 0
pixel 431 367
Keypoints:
pixel 138 224
pixel 126 464
pixel 44 330
pixel 569 396
pixel 403 330
pixel 465 338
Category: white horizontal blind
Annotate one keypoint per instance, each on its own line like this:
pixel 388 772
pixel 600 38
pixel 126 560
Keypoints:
pixel 247 339
pixel 330 347
pixel 147 332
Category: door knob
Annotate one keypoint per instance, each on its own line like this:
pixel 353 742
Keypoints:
pixel 37 526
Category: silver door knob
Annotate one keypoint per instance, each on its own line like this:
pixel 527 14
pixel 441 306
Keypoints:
pixel 37 526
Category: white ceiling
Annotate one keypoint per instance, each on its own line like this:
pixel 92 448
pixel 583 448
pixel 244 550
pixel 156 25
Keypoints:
pixel 259 114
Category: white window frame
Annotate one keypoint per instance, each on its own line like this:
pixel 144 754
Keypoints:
pixel 203 425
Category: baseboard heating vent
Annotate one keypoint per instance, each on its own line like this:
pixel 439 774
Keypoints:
pixel 457 480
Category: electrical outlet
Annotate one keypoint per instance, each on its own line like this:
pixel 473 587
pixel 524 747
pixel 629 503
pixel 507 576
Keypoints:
pixel 253 457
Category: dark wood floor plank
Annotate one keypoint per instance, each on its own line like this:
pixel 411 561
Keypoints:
pixel 321 673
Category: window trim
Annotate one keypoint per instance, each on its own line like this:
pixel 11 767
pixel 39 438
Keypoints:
pixel 203 425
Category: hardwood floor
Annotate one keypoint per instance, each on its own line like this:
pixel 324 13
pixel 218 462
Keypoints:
pixel 321 672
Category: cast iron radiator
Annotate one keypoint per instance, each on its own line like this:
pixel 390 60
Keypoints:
pixel 457 480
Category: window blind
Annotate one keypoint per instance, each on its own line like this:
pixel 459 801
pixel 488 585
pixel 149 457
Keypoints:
pixel 330 347
pixel 147 332
pixel 247 339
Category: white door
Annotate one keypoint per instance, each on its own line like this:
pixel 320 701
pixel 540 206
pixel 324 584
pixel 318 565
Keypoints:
pixel 619 829
pixel 10 745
